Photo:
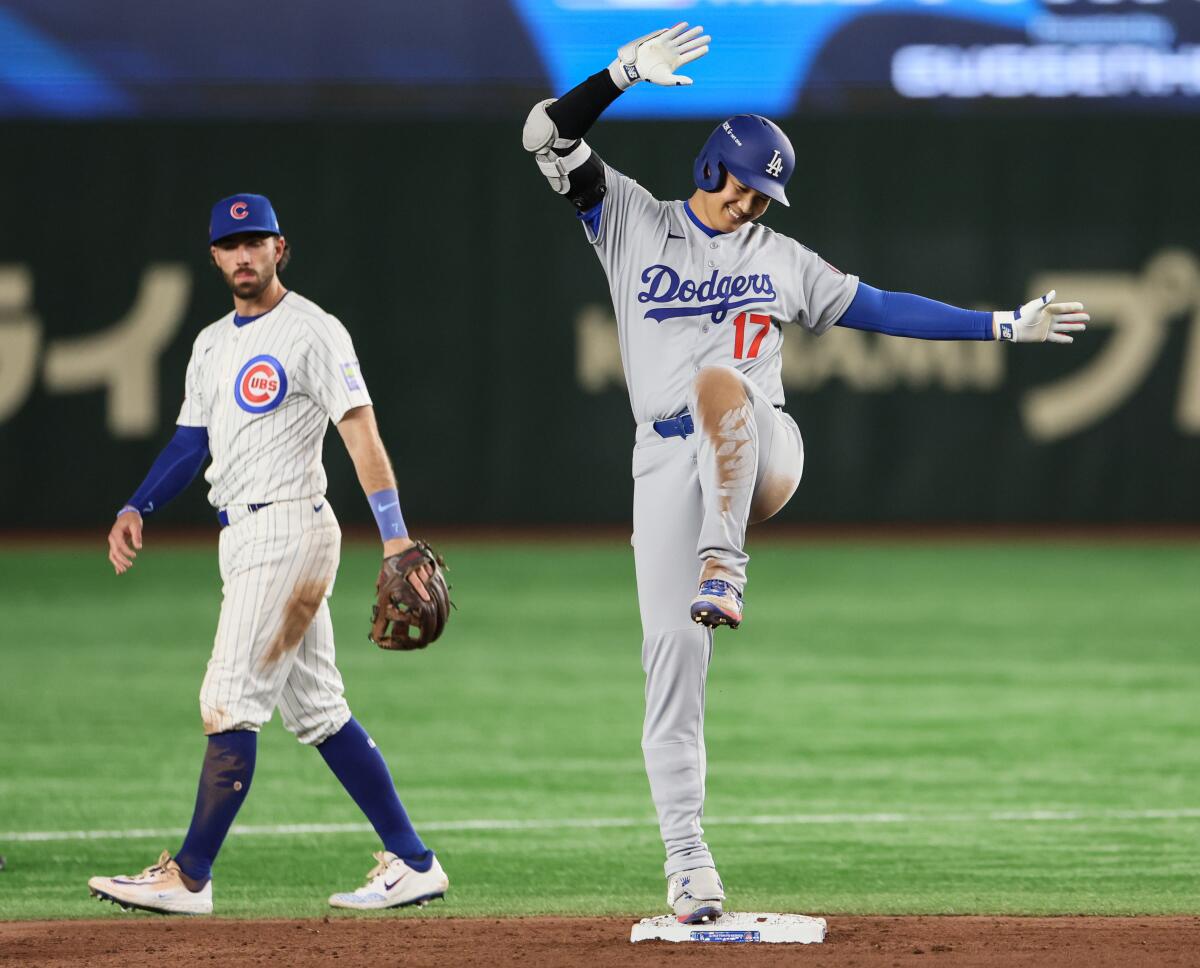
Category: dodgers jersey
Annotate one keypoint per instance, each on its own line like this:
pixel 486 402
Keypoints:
pixel 684 300
pixel 266 391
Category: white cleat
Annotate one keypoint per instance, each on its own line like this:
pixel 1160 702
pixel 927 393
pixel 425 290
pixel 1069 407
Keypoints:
pixel 392 883
pixel 696 896
pixel 158 888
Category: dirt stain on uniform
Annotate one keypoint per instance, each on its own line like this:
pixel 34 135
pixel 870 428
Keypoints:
pixel 714 568
pixel 298 614
pixel 772 493
pixel 719 391
pixel 213 718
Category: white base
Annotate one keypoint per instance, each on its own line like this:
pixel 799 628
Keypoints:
pixel 748 927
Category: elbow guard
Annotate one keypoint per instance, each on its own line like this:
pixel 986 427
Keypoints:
pixel 571 167
pixel 540 132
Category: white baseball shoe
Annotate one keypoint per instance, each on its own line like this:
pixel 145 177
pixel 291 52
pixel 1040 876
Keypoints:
pixel 158 888
pixel 696 896
pixel 392 883
pixel 717 603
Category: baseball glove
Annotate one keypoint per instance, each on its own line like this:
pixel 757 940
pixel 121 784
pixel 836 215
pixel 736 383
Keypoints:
pixel 401 619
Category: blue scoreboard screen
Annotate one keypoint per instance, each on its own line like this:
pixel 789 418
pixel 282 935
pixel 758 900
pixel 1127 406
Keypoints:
pixel 79 59
pixel 778 56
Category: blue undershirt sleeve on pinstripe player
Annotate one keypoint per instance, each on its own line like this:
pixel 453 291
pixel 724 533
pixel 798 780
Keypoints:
pixel 173 469
pixel 903 314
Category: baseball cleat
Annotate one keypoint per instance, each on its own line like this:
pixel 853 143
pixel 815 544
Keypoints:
pixel 391 883
pixel 158 888
pixel 717 603
pixel 696 896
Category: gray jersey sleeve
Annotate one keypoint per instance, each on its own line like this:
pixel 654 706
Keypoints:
pixel 826 292
pixel 626 210
pixel 193 412
pixel 333 377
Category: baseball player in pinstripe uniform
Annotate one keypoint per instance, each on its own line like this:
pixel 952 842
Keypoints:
pixel 262 385
pixel 702 293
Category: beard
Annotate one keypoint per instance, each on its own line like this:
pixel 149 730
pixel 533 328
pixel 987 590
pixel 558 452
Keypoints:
pixel 249 287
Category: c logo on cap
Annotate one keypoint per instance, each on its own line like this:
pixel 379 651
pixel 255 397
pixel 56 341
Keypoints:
pixel 261 385
pixel 239 210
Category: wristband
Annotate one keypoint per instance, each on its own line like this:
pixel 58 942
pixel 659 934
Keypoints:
pixel 129 507
pixel 385 505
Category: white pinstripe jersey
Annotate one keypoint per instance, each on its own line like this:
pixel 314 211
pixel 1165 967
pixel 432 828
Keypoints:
pixel 266 391
pixel 685 300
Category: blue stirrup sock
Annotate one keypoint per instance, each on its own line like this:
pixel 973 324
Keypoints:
pixel 224 782
pixel 363 771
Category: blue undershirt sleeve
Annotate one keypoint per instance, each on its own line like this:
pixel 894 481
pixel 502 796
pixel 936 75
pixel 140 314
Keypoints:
pixel 591 218
pixel 173 469
pixel 903 314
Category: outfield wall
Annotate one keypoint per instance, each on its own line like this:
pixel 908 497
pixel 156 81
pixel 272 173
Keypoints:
pixel 482 321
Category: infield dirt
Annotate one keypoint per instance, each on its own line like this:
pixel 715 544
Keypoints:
pixel 862 942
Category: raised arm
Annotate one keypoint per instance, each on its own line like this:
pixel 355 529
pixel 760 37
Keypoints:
pixel 904 314
pixel 555 128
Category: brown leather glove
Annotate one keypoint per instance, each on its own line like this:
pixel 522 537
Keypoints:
pixel 401 619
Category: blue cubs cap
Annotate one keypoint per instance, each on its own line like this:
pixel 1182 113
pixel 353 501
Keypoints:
pixel 242 213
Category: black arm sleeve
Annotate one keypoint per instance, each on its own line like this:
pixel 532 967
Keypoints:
pixel 588 184
pixel 577 110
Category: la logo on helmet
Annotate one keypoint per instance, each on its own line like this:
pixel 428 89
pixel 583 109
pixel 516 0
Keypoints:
pixel 239 210
pixel 775 165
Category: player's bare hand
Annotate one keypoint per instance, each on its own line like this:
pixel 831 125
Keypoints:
pixel 656 56
pixel 419 576
pixel 124 537
pixel 1040 321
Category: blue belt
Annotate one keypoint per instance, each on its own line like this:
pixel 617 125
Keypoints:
pixel 223 514
pixel 680 425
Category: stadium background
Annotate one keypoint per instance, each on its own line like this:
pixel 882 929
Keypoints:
pixel 392 153
pixel 908 723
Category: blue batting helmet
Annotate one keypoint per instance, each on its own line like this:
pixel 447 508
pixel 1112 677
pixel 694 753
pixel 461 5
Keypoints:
pixel 242 213
pixel 753 149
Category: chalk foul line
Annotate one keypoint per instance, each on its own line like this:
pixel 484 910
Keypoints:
pixel 600 823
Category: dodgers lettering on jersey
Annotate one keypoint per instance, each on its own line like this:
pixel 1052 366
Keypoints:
pixel 663 285
pixel 684 300
pixel 266 391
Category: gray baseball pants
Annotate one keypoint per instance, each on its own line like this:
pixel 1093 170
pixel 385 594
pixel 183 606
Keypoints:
pixel 693 499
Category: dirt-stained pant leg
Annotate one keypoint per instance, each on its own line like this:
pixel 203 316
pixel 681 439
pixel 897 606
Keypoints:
pixel 313 704
pixel 675 652
pixel 675 512
pixel 749 460
pixel 278 566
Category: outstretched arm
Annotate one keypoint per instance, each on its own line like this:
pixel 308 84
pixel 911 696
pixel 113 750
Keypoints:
pixel 360 433
pixel 172 471
pixel 903 314
pixel 554 129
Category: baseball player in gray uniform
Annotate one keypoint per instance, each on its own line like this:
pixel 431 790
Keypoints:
pixel 702 292
pixel 262 385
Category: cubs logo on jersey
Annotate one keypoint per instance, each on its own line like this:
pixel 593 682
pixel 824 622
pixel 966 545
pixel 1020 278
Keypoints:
pixel 261 384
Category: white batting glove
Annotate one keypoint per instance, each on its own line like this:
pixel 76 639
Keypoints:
pixel 1041 321
pixel 656 57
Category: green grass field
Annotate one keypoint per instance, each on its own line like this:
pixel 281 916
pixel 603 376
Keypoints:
pixel 897 728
